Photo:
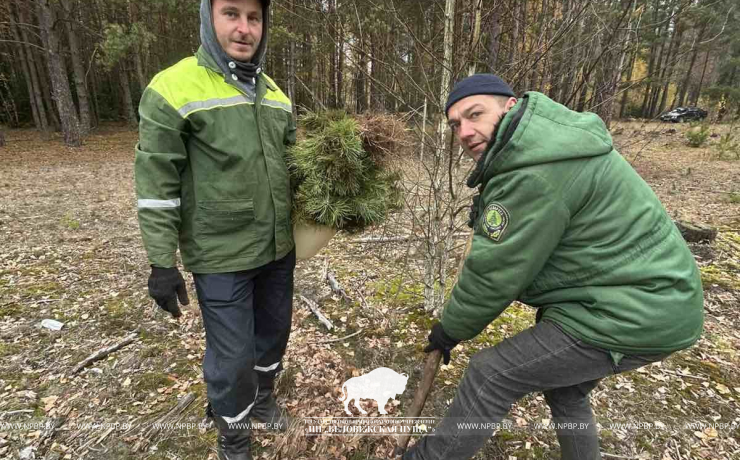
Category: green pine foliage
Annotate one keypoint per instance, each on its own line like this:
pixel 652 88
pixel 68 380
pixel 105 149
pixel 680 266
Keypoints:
pixel 336 182
pixel 697 134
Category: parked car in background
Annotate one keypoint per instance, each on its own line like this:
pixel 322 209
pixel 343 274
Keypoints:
pixel 683 114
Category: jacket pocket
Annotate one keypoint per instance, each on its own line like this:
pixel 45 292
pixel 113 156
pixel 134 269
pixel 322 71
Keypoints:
pixel 225 228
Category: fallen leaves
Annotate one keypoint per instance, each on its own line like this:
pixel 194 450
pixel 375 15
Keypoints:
pixel 93 278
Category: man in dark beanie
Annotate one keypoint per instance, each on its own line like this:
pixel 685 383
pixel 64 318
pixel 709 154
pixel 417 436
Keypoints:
pixel 211 179
pixel 563 224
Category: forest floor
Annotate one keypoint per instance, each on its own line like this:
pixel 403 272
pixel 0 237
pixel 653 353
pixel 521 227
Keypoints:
pixel 71 252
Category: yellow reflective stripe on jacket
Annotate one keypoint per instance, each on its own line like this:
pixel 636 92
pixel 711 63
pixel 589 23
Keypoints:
pixel 276 99
pixel 195 106
pixel 185 84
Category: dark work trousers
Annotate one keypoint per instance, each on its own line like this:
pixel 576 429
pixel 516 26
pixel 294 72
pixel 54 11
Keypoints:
pixel 247 317
pixel 542 358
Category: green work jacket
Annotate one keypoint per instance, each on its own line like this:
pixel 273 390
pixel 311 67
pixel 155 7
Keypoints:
pixel 210 170
pixel 566 225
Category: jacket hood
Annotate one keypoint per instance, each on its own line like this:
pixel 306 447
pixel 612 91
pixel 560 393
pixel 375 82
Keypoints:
pixel 245 71
pixel 538 130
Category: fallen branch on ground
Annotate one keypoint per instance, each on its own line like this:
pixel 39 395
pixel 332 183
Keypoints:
pixel 336 287
pixel 156 427
pixel 14 412
pixel 313 306
pixel 678 374
pixel 102 353
pixel 338 339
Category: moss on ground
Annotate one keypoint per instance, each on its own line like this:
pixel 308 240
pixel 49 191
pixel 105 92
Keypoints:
pixel 40 289
pixel 397 292
pixel 715 275
pixel 8 349
pixel 10 310
pixel 150 381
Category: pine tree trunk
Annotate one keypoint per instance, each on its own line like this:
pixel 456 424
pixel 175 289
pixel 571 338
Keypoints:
pixel 128 105
pixel 494 42
pixel 685 83
pixel 581 104
pixel 625 93
pixel 9 105
pixel 370 76
pixel 42 70
pixel 71 128
pixel 697 90
pixel 478 6
pixel 292 62
pixel 631 64
pixel 95 105
pixel 672 53
pixel 644 109
pixel 360 79
pixel 35 85
pixel 83 97
pixel 140 77
pixel 27 75
pixel 2 138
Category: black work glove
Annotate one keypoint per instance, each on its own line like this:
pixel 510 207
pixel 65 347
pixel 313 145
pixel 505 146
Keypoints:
pixel 439 340
pixel 166 285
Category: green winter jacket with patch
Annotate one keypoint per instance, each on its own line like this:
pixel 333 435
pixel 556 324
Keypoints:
pixel 210 170
pixel 567 226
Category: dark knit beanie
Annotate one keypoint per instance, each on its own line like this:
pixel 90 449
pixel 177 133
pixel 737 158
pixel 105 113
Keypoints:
pixel 480 83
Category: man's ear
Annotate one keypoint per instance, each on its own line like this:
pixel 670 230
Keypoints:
pixel 510 103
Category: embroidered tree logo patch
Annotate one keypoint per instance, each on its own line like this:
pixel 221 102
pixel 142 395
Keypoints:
pixel 495 221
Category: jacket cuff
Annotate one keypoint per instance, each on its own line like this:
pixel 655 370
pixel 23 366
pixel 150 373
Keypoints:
pixel 445 335
pixel 163 260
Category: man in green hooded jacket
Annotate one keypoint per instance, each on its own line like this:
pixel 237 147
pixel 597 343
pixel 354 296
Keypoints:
pixel 564 224
pixel 211 179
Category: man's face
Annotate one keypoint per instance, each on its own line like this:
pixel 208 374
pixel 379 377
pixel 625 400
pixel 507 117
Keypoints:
pixel 238 25
pixel 473 121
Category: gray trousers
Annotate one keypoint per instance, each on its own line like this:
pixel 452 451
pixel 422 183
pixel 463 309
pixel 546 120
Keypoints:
pixel 247 317
pixel 543 358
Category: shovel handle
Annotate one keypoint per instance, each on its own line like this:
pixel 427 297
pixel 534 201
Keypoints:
pixel 427 379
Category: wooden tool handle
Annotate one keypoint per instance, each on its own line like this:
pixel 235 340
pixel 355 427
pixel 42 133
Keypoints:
pixel 427 379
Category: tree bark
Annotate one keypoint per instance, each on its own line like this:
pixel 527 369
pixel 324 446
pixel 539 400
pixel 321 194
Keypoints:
pixel 697 91
pixel 494 43
pixel 128 105
pixel 476 34
pixel 360 79
pixel 27 74
pixel 42 70
pixel 37 100
pixel 668 73
pixel 631 65
pixel 78 68
pixel 654 47
pixel 686 81
pixel 9 105
pixel 2 138
pixel 292 61
pixel 61 92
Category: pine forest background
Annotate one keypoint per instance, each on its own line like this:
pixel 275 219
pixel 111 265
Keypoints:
pixel 69 65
